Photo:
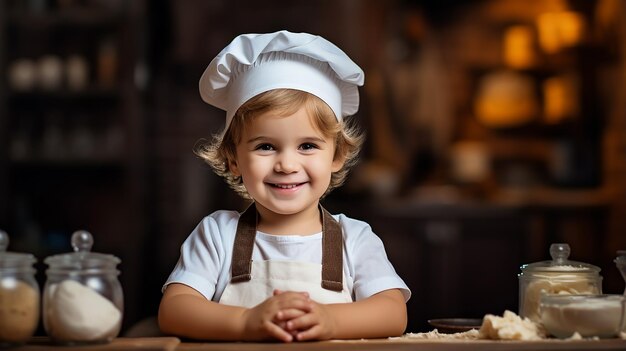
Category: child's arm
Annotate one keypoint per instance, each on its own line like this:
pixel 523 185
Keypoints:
pixel 185 312
pixel 380 315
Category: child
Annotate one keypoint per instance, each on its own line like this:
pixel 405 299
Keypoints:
pixel 284 269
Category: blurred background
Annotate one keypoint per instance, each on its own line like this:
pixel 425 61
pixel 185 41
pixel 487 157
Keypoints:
pixel 495 127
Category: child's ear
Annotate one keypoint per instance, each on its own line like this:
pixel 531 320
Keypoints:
pixel 233 168
pixel 338 163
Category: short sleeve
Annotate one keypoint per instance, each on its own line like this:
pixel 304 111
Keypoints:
pixel 203 255
pixel 371 269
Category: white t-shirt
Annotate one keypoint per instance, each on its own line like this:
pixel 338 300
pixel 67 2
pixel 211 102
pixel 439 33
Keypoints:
pixel 205 256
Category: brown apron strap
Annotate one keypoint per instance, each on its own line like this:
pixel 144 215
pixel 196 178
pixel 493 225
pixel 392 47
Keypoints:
pixel 244 243
pixel 332 253
pixel 332 249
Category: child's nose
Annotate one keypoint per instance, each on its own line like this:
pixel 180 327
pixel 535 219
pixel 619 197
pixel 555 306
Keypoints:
pixel 287 163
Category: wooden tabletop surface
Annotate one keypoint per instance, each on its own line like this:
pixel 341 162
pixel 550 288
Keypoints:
pixel 417 345
pixel 174 344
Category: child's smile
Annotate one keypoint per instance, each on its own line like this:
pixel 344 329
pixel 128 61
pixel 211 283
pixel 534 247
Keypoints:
pixel 286 190
pixel 291 187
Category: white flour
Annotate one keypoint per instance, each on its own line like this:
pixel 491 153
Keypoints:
pixel 74 312
pixel 435 334
pixel 553 283
pixel 510 327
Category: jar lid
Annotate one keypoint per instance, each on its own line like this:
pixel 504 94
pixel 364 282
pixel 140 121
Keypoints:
pixel 13 259
pixel 560 263
pixel 82 257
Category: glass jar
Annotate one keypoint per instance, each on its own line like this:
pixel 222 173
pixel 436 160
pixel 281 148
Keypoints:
pixel 83 299
pixel 19 295
pixel 620 262
pixel 558 276
pixel 588 315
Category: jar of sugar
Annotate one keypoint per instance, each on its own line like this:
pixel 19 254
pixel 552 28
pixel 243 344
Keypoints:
pixel 557 276
pixel 83 299
pixel 19 296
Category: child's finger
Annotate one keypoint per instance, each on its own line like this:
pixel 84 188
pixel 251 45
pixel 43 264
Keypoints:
pixel 313 333
pixel 289 313
pixel 277 332
pixel 294 302
pixel 301 323
pixel 283 326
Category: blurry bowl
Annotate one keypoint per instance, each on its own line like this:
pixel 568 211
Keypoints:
pixel 588 315
pixel 455 325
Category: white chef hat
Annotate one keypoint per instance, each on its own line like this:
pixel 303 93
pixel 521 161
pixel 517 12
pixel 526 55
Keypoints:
pixel 255 63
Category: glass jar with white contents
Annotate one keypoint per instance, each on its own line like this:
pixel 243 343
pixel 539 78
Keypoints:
pixel 19 296
pixel 83 299
pixel 556 276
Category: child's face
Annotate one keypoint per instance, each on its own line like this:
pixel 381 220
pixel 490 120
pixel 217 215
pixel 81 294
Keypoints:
pixel 285 162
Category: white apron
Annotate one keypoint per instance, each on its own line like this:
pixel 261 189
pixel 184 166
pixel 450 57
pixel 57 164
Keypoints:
pixel 252 282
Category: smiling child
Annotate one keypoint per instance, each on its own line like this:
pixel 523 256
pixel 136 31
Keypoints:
pixel 285 269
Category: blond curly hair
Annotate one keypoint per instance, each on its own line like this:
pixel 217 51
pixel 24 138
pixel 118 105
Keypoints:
pixel 221 149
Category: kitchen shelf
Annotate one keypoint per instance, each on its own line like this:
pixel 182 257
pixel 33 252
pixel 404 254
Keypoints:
pixel 65 95
pixel 90 164
pixel 65 18
pixel 545 197
pixel 73 158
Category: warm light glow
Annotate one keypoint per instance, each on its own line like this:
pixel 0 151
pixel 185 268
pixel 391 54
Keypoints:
pixel 560 98
pixel 558 30
pixel 506 99
pixel 470 161
pixel 518 47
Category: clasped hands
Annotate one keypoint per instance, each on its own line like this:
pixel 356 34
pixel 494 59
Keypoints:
pixel 289 316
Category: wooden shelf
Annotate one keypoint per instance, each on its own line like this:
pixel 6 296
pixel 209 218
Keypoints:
pixel 544 197
pixel 68 163
pixel 65 95
pixel 91 175
pixel 66 18
pixel 526 148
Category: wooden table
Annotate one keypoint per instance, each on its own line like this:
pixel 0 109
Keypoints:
pixel 140 344
pixel 417 345
pixel 174 344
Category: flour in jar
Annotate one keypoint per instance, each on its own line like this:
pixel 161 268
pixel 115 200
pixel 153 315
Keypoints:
pixel 75 312
pixel 589 316
pixel 554 283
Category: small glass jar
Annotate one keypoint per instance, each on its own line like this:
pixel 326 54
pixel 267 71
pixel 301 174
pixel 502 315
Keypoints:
pixel 19 296
pixel 588 315
pixel 558 276
pixel 83 299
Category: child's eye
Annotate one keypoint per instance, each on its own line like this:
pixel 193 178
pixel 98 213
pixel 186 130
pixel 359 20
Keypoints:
pixel 308 146
pixel 264 147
